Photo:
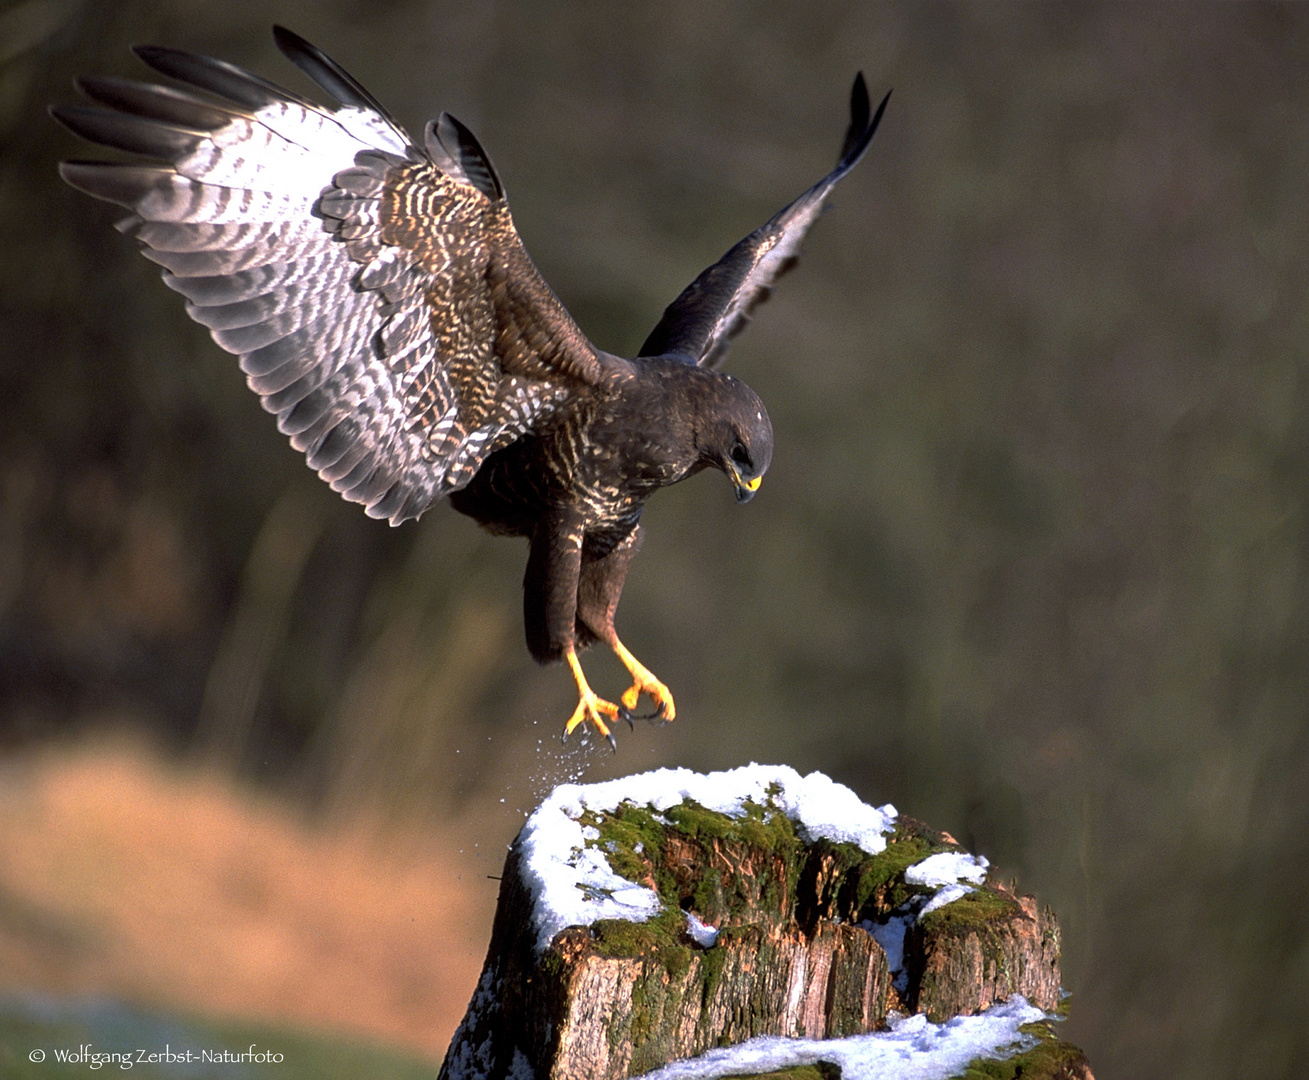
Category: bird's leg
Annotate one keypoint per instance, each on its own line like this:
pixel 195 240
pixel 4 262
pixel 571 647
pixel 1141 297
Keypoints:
pixel 590 706
pixel 644 682
pixel 600 584
pixel 550 611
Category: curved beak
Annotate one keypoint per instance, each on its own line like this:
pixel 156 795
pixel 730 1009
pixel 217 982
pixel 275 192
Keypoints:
pixel 745 489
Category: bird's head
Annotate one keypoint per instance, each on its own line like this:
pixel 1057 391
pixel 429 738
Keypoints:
pixel 739 437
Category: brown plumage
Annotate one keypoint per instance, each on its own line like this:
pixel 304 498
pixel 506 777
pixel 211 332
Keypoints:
pixel 384 308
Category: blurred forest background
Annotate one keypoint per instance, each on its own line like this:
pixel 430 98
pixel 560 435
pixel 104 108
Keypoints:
pixel 1032 561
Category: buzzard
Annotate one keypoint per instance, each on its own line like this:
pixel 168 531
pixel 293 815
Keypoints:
pixel 384 308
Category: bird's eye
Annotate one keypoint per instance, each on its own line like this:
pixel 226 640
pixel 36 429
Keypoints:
pixel 740 455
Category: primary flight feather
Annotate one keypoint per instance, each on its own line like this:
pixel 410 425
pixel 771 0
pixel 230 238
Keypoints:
pixel 382 305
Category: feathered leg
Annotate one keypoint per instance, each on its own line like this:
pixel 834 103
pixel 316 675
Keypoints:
pixel 550 590
pixel 599 587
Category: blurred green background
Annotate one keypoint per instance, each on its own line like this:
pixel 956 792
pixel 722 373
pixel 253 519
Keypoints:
pixel 1031 561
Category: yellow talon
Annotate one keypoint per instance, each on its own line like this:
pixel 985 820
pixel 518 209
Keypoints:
pixel 590 706
pixel 644 682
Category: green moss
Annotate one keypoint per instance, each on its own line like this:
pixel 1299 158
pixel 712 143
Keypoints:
pixel 635 841
pixel 657 936
pixel 761 827
pixel 676 961
pixel 628 864
pixel 631 838
pixel 708 891
pixel 1050 1058
pixel 552 966
pixel 647 1031
pixel 642 1018
pixel 882 875
pixel 872 886
pixel 629 825
pixel 692 819
pixel 642 845
pixel 980 911
pixel 901 852
pixel 639 1021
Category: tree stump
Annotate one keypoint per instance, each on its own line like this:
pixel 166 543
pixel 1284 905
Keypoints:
pixel 654 918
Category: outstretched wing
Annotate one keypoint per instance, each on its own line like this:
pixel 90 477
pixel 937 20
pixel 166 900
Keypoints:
pixel 716 306
pixel 378 295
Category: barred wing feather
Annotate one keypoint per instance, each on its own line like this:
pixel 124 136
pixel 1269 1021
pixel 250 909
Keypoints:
pixel 377 294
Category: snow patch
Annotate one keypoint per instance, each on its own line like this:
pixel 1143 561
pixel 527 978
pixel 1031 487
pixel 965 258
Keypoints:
pixel 948 867
pixel 702 934
pixel 572 885
pixel 890 935
pixel 520 1068
pixel 946 872
pixel 914 1049
pixel 466 1061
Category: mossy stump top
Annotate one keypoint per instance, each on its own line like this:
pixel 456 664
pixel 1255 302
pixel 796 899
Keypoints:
pixel 633 929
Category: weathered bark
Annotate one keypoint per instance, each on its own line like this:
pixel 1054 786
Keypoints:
pixel 793 956
pixel 983 949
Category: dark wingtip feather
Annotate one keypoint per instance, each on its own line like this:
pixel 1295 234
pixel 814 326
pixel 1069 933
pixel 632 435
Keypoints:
pixel 125 185
pixel 218 77
pixel 343 87
pixel 135 134
pixel 859 112
pixel 157 102
pixel 860 132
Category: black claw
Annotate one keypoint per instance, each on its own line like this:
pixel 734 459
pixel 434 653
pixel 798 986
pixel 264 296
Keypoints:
pixel 613 743
pixel 658 714
pixel 625 713
pixel 564 736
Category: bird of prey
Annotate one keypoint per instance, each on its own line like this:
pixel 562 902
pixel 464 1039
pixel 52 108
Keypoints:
pixel 384 308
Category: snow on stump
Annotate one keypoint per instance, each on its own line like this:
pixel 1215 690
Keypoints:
pixel 654 918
